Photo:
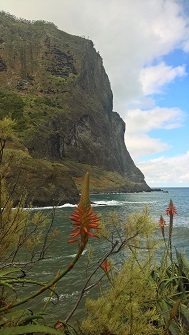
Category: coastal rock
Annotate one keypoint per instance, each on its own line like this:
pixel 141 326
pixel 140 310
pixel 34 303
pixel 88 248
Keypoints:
pixel 67 111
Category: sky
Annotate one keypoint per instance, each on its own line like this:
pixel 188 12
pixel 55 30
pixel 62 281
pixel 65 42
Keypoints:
pixel 144 45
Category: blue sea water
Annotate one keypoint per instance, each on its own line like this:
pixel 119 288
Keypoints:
pixel 61 252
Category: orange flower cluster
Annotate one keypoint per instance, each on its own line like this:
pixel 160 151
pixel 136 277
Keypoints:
pixel 84 218
pixel 106 265
pixel 162 224
pixel 171 209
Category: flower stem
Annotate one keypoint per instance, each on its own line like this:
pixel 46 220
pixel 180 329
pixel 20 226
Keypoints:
pixel 48 285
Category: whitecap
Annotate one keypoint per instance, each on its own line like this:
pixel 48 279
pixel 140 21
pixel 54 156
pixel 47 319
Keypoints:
pixel 106 203
pixel 49 207
pixel 118 203
pixel 73 255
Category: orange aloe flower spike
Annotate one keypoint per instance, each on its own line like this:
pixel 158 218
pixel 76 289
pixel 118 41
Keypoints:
pixel 84 217
pixel 171 209
pixel 162 225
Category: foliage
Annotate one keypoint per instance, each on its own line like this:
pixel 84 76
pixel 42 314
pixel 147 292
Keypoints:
pixel 128 306
pixel 20 230
pixel 11 104
pixel 10 277
pixel 141 295
pixel 145 297
pixel 6 130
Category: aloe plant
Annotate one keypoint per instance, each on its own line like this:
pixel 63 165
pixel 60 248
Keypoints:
pixel 18 322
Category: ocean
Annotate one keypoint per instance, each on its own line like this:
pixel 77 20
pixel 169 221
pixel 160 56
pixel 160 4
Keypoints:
pixel 61 252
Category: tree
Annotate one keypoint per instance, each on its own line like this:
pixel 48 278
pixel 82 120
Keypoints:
pixel 11 104
pixel 6 130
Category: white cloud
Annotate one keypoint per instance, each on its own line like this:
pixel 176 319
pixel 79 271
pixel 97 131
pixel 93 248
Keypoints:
pixel 128 34
pixel 153 78
pixel 172 171
pixel 140 121
pixel 140 145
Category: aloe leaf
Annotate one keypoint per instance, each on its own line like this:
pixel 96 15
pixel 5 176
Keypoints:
pixel 167 281
pixel 174 329
pixel 164 307
pixel 10 316
pixel 22 330
pixel 27 319
pixel 184 314
pixel 185 265
pixel 20 319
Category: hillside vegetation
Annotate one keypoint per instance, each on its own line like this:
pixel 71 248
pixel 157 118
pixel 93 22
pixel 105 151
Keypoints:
pixel 56 89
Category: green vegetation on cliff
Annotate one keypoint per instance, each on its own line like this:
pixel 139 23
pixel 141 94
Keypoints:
pixel 56 89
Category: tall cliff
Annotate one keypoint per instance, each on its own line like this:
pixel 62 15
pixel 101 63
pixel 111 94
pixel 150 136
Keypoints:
pixel 56 88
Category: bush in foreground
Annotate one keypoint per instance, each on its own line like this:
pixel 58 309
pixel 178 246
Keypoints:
pixel 143 295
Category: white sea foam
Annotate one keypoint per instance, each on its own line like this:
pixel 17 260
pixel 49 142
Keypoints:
pixel 73 255
pixel 62 296
pixel 50 207
pixel 118 203
pixel 106 203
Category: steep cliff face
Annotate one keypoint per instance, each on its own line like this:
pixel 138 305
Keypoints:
pixel 67 98
pixel 124 162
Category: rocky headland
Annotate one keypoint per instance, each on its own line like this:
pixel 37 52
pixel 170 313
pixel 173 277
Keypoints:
pixel 55 87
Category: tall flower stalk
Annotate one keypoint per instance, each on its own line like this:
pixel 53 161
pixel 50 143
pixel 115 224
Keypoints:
pixel 84 218
pixel 162 224
pixel 170 211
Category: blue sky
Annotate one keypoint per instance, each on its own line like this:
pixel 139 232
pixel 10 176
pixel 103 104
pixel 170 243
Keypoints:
pixel 174 94
pixel 145 49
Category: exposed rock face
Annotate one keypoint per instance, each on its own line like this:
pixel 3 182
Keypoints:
pixel 125 164
pixel 67 96
pixel 94 134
